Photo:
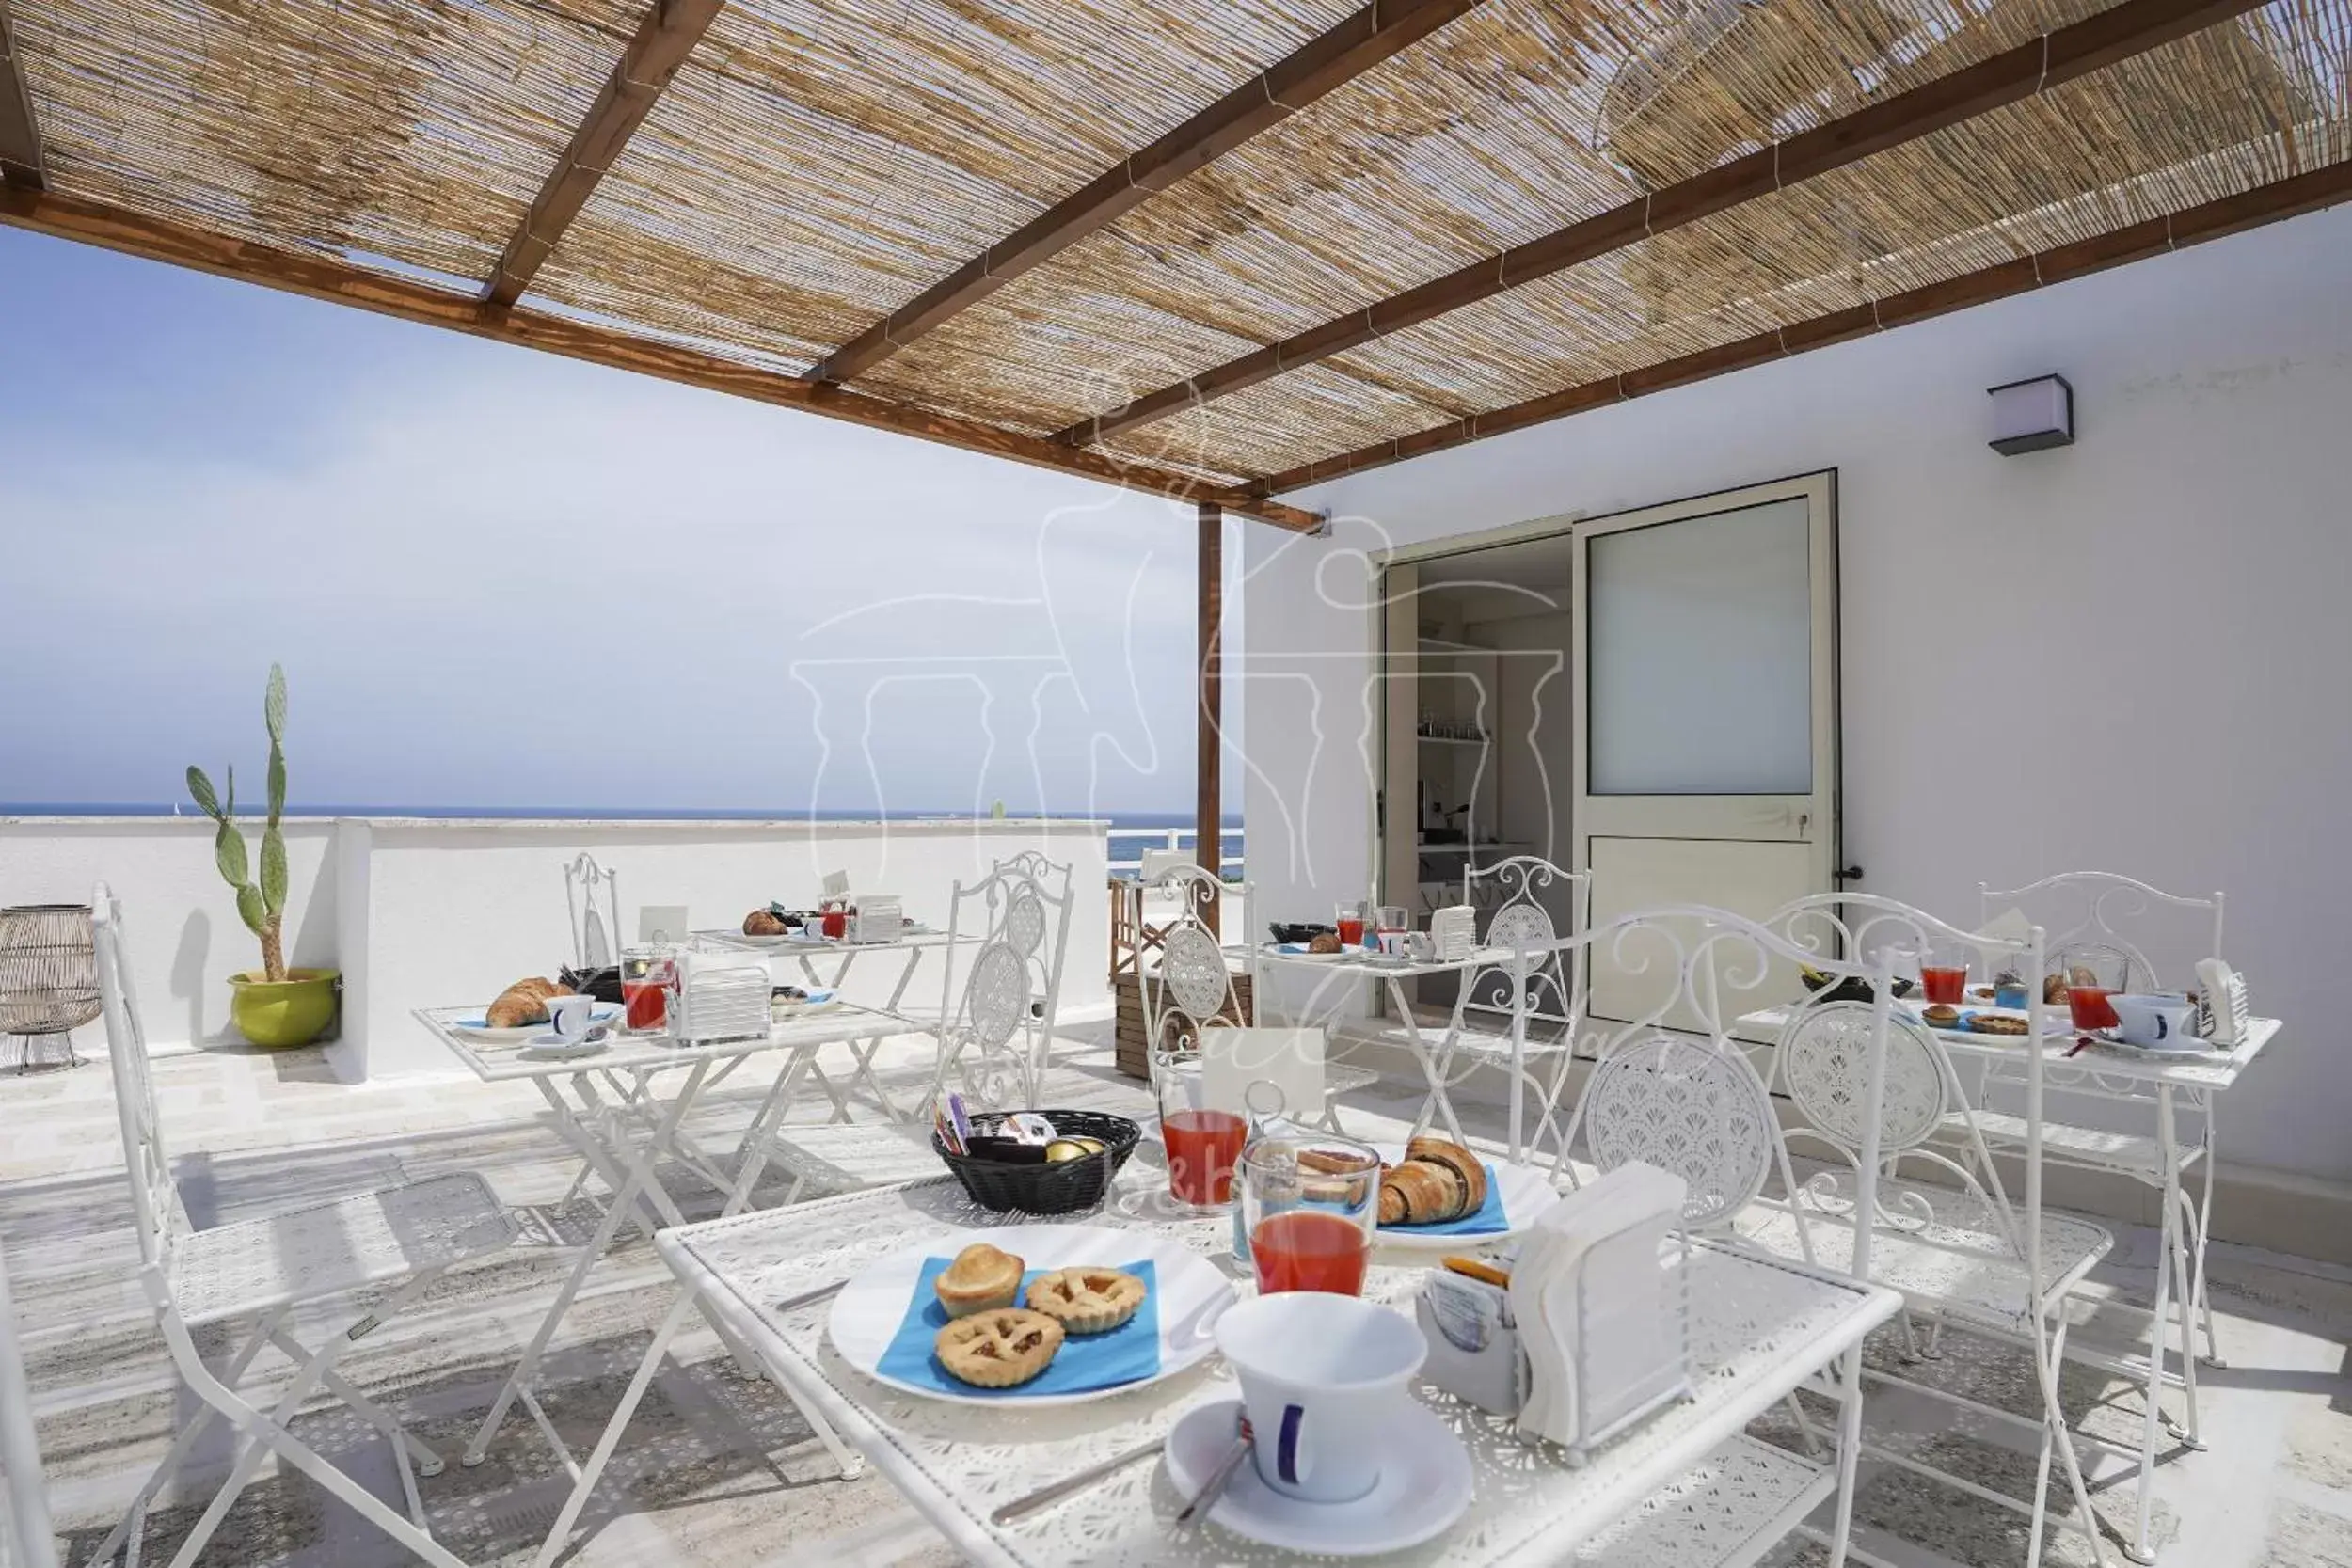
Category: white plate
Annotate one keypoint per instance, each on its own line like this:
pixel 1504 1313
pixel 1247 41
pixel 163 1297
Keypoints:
pixel 818 1002
pixel 777 941
pixel 1300 955
pixel 2053 1021
pixel 1526 1194
pixel 1192 1295
pixel 1424 1487
pixel 476 1026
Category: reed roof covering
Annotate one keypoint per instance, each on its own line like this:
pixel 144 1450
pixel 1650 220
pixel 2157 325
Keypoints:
pixel 815 166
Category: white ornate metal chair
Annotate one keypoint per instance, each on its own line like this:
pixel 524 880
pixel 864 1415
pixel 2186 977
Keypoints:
pixel 591 896
pixel 993 1034
pixel 1534 1043
pixel 1960 1251
pixel 1692 1103
pixel 261 1270
pixel 1192 987
pixel 2102 910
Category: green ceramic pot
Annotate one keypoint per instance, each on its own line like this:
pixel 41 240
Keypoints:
pixel 294 1011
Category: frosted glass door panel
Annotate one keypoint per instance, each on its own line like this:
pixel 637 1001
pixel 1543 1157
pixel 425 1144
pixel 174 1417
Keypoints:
pixel 1700 641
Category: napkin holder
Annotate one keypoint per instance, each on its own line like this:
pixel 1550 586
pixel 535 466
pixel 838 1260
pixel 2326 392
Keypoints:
pixel 1602 1309
pixel 1454 933
pixel 2221 1012
pixel 720 1001
pixel 878 918
pixel 1474 1349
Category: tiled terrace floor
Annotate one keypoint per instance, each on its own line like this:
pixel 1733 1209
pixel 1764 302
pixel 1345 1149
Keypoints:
pixel 717 1471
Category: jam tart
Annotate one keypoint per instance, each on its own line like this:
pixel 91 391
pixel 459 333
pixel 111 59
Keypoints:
pixel 1087 1301
pixel 999 1349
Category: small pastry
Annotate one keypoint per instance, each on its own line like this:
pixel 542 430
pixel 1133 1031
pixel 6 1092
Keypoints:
pixel 1002 1348
pixel 1460 1161
pixel 2054 987
pixel 763 923
pixel 1993 1023
pixel 981 1279
pixel 524 1002
pixel 1087 1301
pixel 1439 1181
pixel 1939 1016
pixel 1421 1191
pixel 1327 943
pixel 1983 994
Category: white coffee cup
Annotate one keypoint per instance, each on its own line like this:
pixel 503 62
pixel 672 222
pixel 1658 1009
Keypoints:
pixel 1323 1378
pixel 2165 1021
pixel 571 1017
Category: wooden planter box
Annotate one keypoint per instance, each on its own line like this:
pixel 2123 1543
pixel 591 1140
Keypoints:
pixel 1132 1050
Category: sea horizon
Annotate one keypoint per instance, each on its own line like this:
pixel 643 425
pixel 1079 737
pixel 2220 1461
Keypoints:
pixel 1118 819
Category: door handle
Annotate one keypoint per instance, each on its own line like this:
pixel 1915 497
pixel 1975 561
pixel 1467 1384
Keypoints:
pixel 1848 874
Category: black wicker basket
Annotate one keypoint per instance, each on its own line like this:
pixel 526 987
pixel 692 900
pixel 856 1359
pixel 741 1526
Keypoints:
pixel 1046 1189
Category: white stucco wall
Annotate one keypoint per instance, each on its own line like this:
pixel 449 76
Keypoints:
pixel 420 912
pixel 2131 654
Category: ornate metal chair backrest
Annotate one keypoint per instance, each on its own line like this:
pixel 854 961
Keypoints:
pixel 1821 1057
pixel 155 1196
pixel 1191 986
pixel 2110 921
pixel 1683 1096
pixel 591 896
pixel 1011 991
pixel 1515 901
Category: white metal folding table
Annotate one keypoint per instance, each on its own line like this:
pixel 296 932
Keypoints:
pixel 912 942
pixel 623 1138
pixel 1686 1486
pixel 1393 972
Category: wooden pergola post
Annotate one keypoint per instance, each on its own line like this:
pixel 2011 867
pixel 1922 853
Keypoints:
pixel 1209 816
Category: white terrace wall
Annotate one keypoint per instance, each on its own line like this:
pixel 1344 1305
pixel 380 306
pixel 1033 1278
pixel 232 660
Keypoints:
pixel 420 912
pixel 2133 654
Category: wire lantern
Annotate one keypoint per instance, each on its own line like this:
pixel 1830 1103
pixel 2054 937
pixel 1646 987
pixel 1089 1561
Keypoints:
pixel 48 975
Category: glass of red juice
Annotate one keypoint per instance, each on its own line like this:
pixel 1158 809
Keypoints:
pixel 2092 975
pixel 1310 1203
pixel 647 976
pixel 1350 921
pixel 1203 1141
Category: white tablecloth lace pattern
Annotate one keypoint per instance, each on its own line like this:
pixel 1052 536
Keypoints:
pixel 1752 1320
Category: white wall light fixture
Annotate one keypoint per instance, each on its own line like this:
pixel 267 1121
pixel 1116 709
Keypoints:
pixel 2028 416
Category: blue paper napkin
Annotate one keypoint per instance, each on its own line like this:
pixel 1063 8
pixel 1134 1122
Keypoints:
pixel 1086 1362
pixel 1488 1221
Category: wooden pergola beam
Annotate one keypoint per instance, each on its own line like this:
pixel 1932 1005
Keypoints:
pixel 1346 51
pixel 2283 199
pixel 324 278
pixel 20 133
pixel 665 39
pixel 2130 28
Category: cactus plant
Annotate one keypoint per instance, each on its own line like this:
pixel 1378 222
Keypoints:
pixel 261 904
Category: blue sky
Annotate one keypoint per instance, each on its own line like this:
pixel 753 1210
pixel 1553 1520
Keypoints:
pixel 497 578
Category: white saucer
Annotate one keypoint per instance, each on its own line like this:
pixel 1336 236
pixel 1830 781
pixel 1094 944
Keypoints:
pixel 1424 1487
pixel 555 1048
pixel 2196 1046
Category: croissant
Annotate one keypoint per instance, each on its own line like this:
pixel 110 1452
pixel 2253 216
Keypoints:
pixel 1460 1161
pixel 1421 1191
pixel 524 1002
pixel 1438 1181
pixel 763 923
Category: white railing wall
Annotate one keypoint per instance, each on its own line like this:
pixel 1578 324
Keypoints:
pixel 423 911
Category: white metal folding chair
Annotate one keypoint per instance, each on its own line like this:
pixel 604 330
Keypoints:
pixel 1532 1038
pixel 1194 985
pixel 262 1270
pixel 2104 910
pixel 993 1035
pixel 25 1538
pixel 1957 1247
pixel 1683 1096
